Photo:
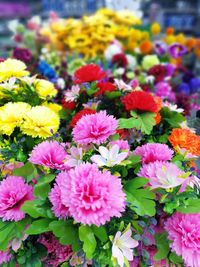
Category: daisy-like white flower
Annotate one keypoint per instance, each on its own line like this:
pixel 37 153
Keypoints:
pixel 121 85
pixel 72 95
pixel 122 248
pixel 173 107
pixel 9 84
pixel 109 157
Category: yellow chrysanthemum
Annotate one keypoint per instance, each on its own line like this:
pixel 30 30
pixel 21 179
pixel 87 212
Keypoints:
pixel 11 116
pixel 12 68
pixel 45 88
pixel 155 28
pixel 53 106
pixel 127 17
pixel 40 121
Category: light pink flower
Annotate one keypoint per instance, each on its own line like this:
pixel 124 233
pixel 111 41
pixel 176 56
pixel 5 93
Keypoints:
pixel 50 154
pixel 123 144
pixel 162 174
pixel 75 157
pixel 184 232
pixel 94 128
pixel 73 94
pixel 57 253
pixel 5 257
pixel 153 152
pixel 122 247
pixel 93 197
pixel 13 193
pixel 59 209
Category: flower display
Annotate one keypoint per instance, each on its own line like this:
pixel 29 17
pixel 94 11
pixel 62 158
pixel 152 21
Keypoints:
pixel 13 193
pixel 5 257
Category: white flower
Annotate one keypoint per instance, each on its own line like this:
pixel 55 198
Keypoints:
pixel 28 80
pixel 122 247
pixel 173 107
pixel 75 157
pixel 150 79
pixel 72 94
pixel 122 85
pixel 119 71
pixel 112 50
pixel 9 84
pixel 61 83
pixel 132 62
pixel 109 157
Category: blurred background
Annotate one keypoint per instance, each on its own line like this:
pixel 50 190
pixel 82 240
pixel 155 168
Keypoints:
pixel 183 15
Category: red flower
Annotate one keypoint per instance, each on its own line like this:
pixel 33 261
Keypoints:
pixel 139 100
pixel 80 114
pixel 159 72
pixel 145 87
pixel 89 73
pixel 123 133
pixel 68 105
pixel 120 60
pixel 104 87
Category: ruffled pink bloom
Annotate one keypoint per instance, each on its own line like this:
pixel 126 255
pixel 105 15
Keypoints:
pixel 59 209
pixel 5 256
pixel 122 144
pixel 163 89
pixel 13 193
pixel 162 174
pixel 57 253
pixel 153 152
pixel 50 154
pixel 94 128
pixel 93 197
pixel 184 232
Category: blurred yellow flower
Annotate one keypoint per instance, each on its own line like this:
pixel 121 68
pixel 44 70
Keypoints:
pixel 41 122
pixel 149 61
pixel 155 28
pixel 45 88
pixel 12 68
pixel 53 106
pixel 11 116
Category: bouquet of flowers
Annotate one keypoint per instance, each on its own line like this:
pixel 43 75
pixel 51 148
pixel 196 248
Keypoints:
pixel 117 185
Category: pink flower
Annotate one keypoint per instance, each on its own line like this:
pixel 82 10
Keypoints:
pixel 13 193
pixel 122 144
pixel 155 151
pixel 57 253
pixel 93 197
pixel 162 174
pixel 163 89
pixel 49 154
pixel 184 232
pixel 59 209
pixel 94 128
pixel 5 256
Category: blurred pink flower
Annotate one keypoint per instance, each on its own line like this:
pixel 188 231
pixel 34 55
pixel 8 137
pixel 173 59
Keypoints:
pixel 5 257
pixel 13 193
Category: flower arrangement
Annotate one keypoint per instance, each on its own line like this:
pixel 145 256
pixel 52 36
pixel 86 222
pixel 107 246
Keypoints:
pixel 115 185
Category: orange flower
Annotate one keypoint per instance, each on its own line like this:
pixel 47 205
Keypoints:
pixel 190 43
pixel 157 118
pixel 158 102
pixel 146 47
pixel 184 138
pixel 197 52
pixel 170 31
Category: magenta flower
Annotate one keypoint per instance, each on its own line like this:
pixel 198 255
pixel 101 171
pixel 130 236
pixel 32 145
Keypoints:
pixel 13 193
pixel 93 197
pixel 160 47
pixel 162 174
pixel 50 154
pixel 177 50
pixel 184 232
pixel 5 257
pixel 59 209
pixel 94 128
pixel 123 144
pixel 57 253
pixel 154 151
pixel 163 89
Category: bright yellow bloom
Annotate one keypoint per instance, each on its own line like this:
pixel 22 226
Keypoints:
pixel 45 88
pixel 127 17
pixel 155 28
pixel 180 38
pixel 170 39
pixel 53 106
pixel 40 121
pixel 12 68
pixel 11 116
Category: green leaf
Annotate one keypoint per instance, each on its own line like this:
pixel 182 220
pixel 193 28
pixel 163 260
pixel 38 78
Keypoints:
pixel 192 205
pixel 42 188
pixel 66 232
pixel 39 226
pixel 86 235
pixel 30 209
pixel 100 232
pixel 141 199
pixel 175 258
pixel 173 118
pixel 27 171
pixel 6 233
pixel 162 244
pixel 143 122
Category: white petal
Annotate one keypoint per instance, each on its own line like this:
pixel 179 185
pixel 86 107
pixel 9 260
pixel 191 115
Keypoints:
pixel 116 252
pixel 126 235
pixel 128 253
pixel 121 157
pixel 99 160
pixel 104 151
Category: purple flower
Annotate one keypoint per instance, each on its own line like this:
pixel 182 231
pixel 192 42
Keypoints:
pixel 160 48
pixel 184 88
pixel 170 68
pixel 23 54
pixel 194 85
pixel 177 50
